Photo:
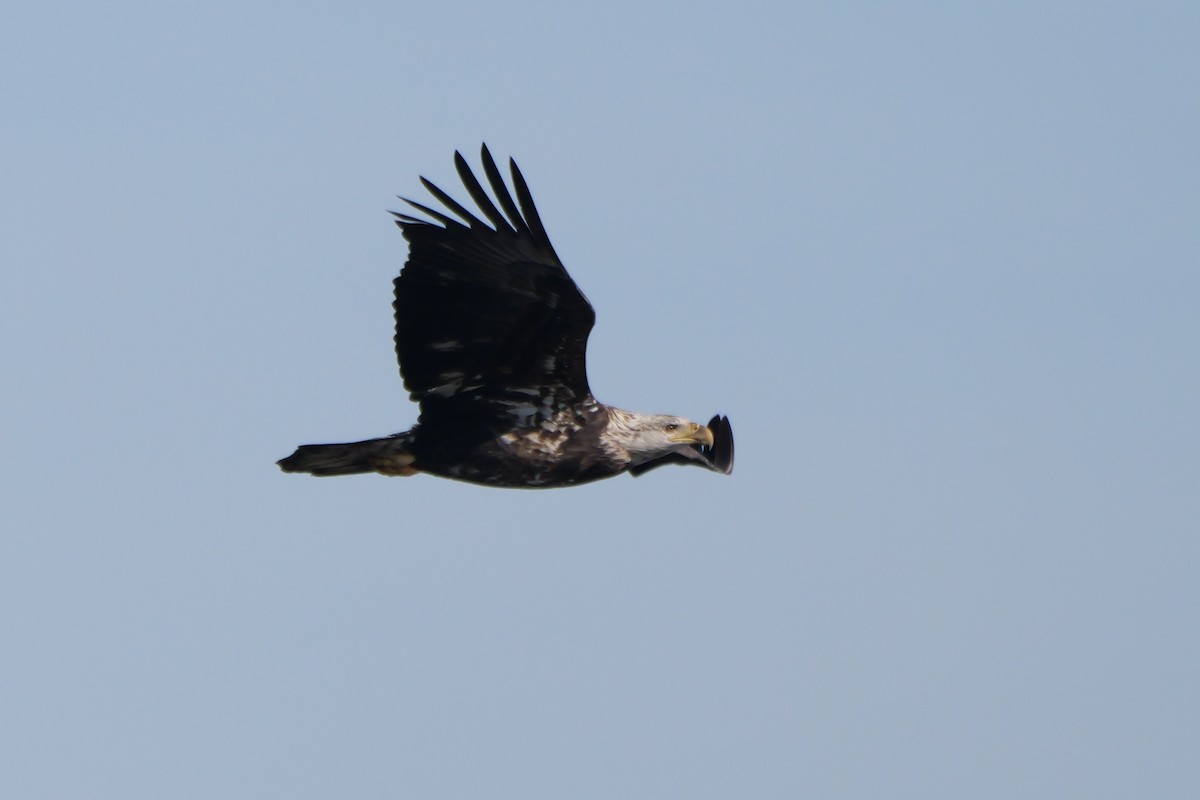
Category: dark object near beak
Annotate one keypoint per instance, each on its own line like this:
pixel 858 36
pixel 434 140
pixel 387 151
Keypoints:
pixel 720 455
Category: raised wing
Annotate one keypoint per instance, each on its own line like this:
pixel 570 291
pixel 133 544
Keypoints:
pixel 718 458
pixel 488 322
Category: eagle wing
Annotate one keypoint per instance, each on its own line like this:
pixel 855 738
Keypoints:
pixel 489 325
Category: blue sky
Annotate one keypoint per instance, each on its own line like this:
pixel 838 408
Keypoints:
pixel 938 264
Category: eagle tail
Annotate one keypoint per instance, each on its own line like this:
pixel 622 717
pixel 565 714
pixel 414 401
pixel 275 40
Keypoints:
pixel 387 456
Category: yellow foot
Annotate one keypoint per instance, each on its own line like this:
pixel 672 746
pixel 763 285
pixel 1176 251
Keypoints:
pixel 398 465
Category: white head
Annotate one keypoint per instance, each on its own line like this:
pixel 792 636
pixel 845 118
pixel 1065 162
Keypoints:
pixel 649 436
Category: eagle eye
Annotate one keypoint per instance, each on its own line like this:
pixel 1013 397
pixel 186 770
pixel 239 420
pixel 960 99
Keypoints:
pixel 670 427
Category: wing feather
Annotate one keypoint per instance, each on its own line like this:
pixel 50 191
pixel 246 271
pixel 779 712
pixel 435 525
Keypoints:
pixel 448 222
pixel 530 211
pixel 479 195
pixel 450 203
pixel 501 189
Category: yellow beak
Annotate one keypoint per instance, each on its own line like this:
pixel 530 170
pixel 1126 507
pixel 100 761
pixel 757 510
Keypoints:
pixel 697 435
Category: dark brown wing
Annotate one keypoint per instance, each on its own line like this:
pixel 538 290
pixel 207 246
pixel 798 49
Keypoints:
pixel 488 322
pixel 718 458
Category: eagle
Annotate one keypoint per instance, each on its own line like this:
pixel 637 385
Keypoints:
pixel 491 336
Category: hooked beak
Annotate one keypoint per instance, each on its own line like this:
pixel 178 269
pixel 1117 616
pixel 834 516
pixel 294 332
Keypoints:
pixel 697 435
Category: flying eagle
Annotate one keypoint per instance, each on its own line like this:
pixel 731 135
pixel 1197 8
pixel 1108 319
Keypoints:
pixel 491 334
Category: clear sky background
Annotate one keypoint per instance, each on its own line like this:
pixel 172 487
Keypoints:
pixel 939 263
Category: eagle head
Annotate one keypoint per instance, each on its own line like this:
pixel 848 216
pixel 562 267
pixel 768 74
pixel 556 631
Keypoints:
pixel 649 436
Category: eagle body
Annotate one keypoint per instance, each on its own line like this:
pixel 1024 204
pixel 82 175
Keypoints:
pixel 567 448
pixel 491 337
